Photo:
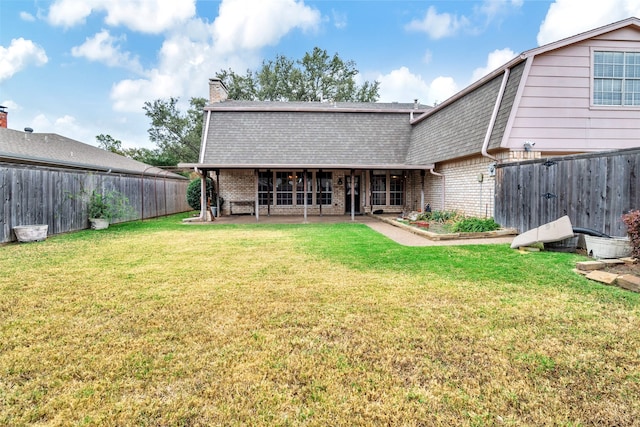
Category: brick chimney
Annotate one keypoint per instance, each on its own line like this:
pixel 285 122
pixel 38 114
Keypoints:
pixel 217 91
pixel 3 116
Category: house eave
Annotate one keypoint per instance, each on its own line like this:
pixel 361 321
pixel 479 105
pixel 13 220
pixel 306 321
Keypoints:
pixel 475 85
pixel 45 162
pixel 279 108
pixel 529 54
pixel 212 166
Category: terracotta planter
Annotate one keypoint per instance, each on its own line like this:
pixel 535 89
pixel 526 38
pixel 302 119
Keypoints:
pixel 31 233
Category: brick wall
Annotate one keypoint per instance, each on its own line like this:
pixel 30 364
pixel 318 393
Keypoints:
pixel 240 185
pixel 468 188
pixel 468 185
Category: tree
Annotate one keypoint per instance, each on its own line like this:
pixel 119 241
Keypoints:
pixel 315 77
pixel 144 155
pixel 108 143
pixel 177 135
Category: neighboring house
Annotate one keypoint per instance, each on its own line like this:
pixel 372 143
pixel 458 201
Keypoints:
pixel 46 179
pixel 580 94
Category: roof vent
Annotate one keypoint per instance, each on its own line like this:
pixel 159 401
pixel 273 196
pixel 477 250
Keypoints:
pixel 28 130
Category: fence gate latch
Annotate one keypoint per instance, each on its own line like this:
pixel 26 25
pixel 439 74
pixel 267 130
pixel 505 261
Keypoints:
pixel 549 196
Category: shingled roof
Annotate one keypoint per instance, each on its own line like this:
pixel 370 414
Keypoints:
pixel 244 134
pixel 50 149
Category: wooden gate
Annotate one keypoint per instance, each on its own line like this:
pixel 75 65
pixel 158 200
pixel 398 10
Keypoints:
pixel 594 190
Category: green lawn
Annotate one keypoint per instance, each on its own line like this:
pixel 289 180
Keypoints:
pixel 161 323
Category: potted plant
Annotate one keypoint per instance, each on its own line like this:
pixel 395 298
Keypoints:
pixel 104 207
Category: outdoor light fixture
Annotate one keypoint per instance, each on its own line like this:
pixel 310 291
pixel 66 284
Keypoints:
pixel 528 145
pixel 340 181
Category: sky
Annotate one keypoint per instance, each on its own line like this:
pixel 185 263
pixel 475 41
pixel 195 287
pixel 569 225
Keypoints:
pixel 81 68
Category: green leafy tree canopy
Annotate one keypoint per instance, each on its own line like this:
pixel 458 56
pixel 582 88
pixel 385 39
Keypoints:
pixel 176 134
pixel 151 157
pixel 315 77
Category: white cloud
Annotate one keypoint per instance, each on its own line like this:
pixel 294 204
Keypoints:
pixel 104 48
pixel 442 88
pixel 20 54
pixel 427 57
pixel 251 25
pixel 26 16
pixel 41 124
pixel 65 125
pixel 146 16
pixel 402 85
pixel 493 8
pixel 339 19
pixel 566 18
pixel 496 59
pixel 188 58
pixel 130 95
pixel 438 25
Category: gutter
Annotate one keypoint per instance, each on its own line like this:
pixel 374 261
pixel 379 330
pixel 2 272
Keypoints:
pixel 53 163
pixel 494 114
pixel 296 166
pixel 515 61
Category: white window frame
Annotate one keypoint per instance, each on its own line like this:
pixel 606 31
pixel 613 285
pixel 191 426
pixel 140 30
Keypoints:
pixel 624 79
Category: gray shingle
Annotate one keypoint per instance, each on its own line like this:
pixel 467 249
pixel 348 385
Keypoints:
pixel 56 150
pixel 308 137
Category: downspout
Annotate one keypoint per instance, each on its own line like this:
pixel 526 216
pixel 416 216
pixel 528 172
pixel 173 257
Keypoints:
pixel 492 122
pixel 494 115
pixel 433 172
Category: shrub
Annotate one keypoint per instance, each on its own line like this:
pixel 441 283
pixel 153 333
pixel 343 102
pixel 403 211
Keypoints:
pixel 112 204
pixel 632 221
pixel 440 216
pixel 475 225
pixel 193 194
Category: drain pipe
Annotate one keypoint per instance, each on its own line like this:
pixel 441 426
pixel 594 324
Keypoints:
pixel 492 122
pixel 433 172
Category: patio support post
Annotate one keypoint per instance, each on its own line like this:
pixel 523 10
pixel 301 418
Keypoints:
pixel 353 195
pixel 218 193
pixel 319 183
pixel 257 206
pixel 269 185
pixel 422 173
pixel 371 189
pixel 304 183
pixel 203 196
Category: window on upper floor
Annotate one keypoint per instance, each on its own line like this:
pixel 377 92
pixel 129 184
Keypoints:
pixel 616 78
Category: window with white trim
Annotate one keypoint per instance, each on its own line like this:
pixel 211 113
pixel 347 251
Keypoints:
pixel 265 188
pixel 284 188
pixel 324 189
pixel 616 78
pixel 300 189
pixel 396 188
pixel 379 188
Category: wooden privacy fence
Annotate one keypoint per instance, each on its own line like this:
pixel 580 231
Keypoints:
pixel 58 197
pixel 594 190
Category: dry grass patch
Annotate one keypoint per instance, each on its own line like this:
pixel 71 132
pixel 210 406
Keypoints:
pixel 161 324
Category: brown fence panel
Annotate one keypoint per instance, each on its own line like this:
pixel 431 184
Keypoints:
pixel 594 190
pixel 58 197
